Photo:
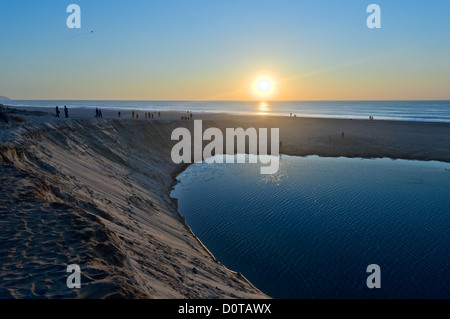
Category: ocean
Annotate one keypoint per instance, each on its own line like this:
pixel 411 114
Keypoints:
pixel 428 111
pixel 312 229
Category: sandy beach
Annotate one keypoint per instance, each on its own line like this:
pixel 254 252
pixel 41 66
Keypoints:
pixel 95 192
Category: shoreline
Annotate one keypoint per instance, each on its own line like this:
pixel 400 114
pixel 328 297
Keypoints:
pixel 426 150
pixel 206 114
pixel 116 176
pixel 183 221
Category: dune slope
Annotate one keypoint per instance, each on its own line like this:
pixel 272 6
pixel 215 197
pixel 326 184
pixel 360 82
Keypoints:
pixel 96 194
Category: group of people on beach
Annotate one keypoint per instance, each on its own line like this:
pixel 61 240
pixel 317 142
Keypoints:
pixel 188 117
pixel 148 115
pixel 98 113
pixel 66 111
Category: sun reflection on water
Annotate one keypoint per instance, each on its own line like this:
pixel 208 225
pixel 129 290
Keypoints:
pixel 263 108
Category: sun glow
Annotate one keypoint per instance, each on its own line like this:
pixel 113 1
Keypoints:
pixel 263 87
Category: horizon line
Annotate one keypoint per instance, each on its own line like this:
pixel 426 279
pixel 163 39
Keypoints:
pixel 257 101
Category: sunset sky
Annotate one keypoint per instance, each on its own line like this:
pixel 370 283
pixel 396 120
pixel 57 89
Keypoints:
pixel 214 50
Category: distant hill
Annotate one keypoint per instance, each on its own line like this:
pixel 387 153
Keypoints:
pixel 3 98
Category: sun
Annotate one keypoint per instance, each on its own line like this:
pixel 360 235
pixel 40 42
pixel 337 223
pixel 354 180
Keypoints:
pixel 263 87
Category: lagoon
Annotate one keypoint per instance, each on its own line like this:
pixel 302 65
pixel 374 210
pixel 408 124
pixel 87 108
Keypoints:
pixel 311 229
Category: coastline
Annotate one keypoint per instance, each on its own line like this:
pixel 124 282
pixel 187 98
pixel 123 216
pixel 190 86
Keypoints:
pixel 392 110
pixel 413 140
pixel 118 173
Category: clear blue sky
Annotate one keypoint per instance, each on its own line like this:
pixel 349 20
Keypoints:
pixel 211 49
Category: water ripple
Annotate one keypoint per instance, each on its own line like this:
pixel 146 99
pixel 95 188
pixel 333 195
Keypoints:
pixel 312 231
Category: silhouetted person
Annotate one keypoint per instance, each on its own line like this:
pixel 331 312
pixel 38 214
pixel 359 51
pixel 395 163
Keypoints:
pixel 137 115
pixel 119 114
pixel 132 114
pixel 152 115
pixel 342 135
pixel 57 111
pixel 96 112
pixel 66 112
pixel 159 114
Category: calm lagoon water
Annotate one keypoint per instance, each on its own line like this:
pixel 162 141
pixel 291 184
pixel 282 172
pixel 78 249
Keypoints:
pixel 311 230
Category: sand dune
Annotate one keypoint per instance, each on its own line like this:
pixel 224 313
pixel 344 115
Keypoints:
pixel 95 192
